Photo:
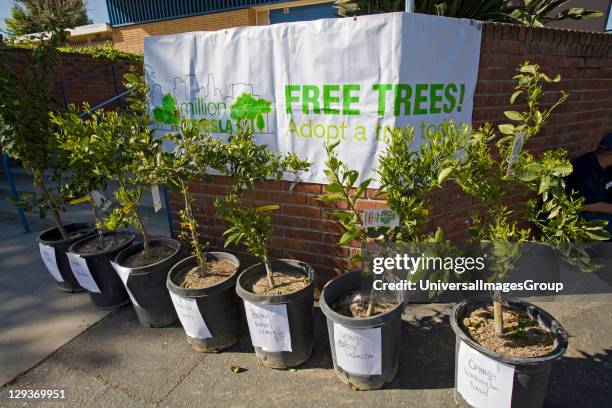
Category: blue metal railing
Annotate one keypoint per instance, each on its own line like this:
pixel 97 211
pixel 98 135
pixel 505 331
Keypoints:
pixel 126 12
pixel 13 190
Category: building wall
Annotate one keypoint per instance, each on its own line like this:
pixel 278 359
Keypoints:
pixel 83 78
pixel 131 38
pixel 304 230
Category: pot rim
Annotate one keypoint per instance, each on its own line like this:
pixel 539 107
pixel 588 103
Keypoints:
pixel 120 247
pixel 85 226
pixel 176 245
pixel 201 292
pixel 375 321
pixel 277 299
pixel 555 328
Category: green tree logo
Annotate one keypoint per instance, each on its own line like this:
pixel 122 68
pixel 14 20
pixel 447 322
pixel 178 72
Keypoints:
pixel 247 107
pixel 168 112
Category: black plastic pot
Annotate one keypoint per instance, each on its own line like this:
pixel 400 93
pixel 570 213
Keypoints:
pixel 389 323
pixel 53 238
pixel 531 374
pixel 147 284
pixel 299 309
pixel 112 291
pixel 218 305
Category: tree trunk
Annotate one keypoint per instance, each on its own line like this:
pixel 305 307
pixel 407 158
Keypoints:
pixel 197 249
pixel 269 272
pixel 39 185
pixel 145 235
pixel 370 311
pixel 498 314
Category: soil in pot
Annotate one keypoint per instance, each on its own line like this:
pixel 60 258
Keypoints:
pixel 355 304
pixel 145 279
pixel 54 247
pixel 90 261
pixel 207 306
pixel 285 282
pixel 522 337
pixel 520 379
pixel 109 242
pixel 216 271
pixel 280 319
pixel 156 254
pixel 365 349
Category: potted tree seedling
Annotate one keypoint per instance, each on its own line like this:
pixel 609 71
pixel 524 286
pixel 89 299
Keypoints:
pixel 202 286
pixel 93 147
pixel 361 321
pixel 513 339
pixel 27 135
pixel 143 267
pixel 277 293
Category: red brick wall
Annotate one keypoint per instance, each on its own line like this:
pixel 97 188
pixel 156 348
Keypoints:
pixel 304 231
pixel 85 78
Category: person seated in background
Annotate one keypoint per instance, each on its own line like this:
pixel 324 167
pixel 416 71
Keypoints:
pixel 592 179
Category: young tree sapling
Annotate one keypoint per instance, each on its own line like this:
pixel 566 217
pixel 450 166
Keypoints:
pixel 194 151
pixel 248 166
pixel 117 146
pixel 407 177
pixel 26 132
pixel 497 166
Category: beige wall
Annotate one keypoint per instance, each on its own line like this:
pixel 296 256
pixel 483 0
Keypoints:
pixel 131 38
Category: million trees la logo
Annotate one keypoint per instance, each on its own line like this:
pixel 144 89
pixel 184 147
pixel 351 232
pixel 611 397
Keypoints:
pixel 209 106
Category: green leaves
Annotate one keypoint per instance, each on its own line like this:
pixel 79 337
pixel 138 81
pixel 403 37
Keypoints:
pixel 529 172
pixel 507 129
pixel 250 165
pixel 513 115
pixel 444 174
pixel 349 236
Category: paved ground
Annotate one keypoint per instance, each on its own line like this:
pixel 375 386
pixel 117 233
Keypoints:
pixel 117 363
pixel 35 318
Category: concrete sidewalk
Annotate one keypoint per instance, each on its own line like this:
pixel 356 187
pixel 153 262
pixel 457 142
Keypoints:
pixel 119 363
pixel 35 317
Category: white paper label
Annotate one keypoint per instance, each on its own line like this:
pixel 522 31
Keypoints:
pixel 157 202
pixel 100 201
pixel 517 147
pixel 380 218
pixel 269 326
pixel 358 351
pixel 482 381
pixel 190 317
pixel 124 274
pixel 47 253
pixel 81 272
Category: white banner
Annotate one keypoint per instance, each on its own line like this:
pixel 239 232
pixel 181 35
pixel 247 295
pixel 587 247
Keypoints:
pixel 300 85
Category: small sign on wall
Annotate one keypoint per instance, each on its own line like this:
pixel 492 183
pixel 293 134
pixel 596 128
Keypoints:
pixel 380 218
